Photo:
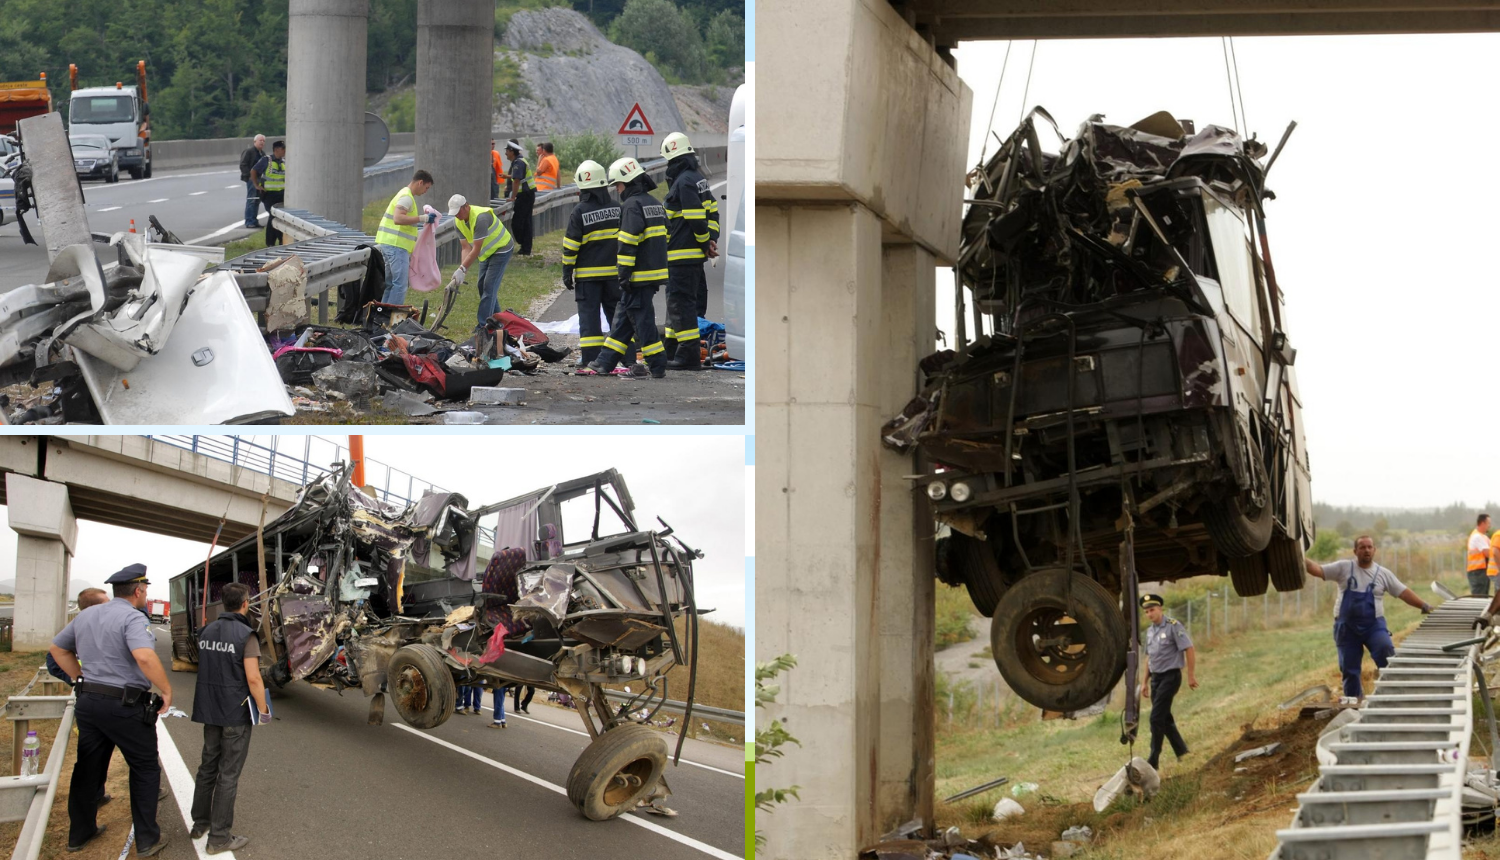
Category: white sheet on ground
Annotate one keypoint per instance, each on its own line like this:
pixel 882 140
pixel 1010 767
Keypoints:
pixel 570 325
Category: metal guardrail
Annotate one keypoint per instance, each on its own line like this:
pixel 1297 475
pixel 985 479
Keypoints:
pixel 672 706
pixel 281 457
pixel 30 798
pixel 1397 787
pixel 332 254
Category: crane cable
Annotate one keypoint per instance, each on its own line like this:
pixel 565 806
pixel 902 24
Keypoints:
pixel 984 147
pixel 1027 92
pixel 1232 83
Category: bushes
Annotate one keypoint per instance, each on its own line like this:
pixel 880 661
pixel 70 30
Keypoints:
pixel 574 149
pixel 664 35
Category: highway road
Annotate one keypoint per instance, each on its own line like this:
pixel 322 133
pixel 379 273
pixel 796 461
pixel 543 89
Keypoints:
pixel 320 782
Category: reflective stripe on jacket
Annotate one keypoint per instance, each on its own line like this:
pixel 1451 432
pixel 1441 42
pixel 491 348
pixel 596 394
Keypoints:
pixel 1478 542
pixel 546 177
pixel 496 239
pixel 692 218
pixel 275 178
pixel 391 233
pixel 642 256
pixel 591 237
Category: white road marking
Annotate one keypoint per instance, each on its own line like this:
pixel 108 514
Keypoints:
pixel 222 230
pixel 510 715
pixel 109 208
pixel 231 186
pixel 182 781
pixel 158 200
pixel 653 827
pixel 196 193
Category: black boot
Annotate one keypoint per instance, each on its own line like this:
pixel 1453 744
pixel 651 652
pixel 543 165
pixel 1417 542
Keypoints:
pixel 687 358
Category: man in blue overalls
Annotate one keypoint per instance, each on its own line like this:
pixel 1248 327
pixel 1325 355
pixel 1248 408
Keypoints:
pixel 1359 613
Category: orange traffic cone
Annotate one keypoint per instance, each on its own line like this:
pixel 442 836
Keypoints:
pixel 132 225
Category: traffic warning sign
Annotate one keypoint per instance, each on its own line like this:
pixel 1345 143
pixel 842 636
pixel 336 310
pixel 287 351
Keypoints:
pixel 636 129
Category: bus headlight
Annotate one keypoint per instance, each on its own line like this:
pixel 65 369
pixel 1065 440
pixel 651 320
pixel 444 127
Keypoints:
pixel 936 491
pixel 961 492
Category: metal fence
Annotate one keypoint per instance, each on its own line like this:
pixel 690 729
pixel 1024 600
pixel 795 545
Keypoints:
pixel 302 459
pixel 7 628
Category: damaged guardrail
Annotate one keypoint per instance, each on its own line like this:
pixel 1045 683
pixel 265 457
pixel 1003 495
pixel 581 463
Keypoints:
pixel 30 798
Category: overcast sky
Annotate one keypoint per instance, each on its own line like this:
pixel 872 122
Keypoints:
pixel 695 483
pixel 1385 206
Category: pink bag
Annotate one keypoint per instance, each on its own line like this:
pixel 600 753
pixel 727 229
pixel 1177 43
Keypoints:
pixel 425 275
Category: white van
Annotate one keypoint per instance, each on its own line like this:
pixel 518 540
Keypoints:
pixel 732 218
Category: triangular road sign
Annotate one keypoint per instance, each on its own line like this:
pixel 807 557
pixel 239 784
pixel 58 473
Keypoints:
pixel 636 122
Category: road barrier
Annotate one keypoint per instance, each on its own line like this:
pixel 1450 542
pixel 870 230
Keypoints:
pixel 30 798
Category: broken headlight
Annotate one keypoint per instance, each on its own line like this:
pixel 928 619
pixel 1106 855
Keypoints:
pixel 528 581
pixel 936 491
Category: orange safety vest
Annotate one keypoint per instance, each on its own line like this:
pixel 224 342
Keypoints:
pixel 1476 554
pixel 1494 567
pixel 546 174
pixel 497 165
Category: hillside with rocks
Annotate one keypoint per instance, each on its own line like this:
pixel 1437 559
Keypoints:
pixel 555 72
pixel 704 107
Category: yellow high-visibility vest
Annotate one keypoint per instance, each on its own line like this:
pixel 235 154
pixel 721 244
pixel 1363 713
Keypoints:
pixel 391 233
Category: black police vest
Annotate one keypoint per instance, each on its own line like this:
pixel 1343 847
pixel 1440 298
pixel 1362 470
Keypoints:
pixel 222 689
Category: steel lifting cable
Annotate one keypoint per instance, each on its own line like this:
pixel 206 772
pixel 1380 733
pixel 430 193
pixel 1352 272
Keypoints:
pixel 1026 93
pixel 990 127
pixel 1229 83
pixel 1245 122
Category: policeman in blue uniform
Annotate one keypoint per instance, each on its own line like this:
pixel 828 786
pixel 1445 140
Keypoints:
pixel 116 707
pixel 1168 651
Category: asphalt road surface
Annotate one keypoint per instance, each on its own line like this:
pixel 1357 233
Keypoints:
pixel 320 782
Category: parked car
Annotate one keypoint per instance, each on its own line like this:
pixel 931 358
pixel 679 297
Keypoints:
pixel 94 158
pixel 1126 375
pixel 412 601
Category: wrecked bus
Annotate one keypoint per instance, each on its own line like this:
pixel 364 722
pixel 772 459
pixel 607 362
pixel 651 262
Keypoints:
pixel 409 602
pixel 1119 404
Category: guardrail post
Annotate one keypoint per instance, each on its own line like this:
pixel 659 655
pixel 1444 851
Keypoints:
pixel 20 727
pixel 306 455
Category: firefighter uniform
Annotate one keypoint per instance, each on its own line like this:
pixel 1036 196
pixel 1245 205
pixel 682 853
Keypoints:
pixel 641 263
pixel 590 253
pixel 692 222
pixel 115 708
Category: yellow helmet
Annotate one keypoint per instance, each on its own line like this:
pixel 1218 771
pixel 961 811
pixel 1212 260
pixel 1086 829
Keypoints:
pixel 676 144
pixel 624 170
pixel 590 174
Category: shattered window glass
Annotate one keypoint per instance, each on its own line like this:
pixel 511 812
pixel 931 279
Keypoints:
pixel 1232 256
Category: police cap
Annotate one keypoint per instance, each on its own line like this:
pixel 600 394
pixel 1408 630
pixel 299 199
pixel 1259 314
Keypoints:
pixel 1149 600
pixel 130 573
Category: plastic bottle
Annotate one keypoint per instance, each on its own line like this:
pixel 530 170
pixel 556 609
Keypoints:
pixel 31 755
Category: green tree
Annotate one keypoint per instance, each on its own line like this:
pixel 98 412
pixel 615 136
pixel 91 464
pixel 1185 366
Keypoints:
pixel 1344 529
pixel 770 740
pixel 663 34
pixel 266 115
pixel 725 39
pixel 1326 547
pixel 1381 526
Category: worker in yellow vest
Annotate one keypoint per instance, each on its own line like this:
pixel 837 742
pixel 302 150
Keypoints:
pixel 546 168
pixel 396 237
pixel 483 239
pixel 269 176
pixel 1477 568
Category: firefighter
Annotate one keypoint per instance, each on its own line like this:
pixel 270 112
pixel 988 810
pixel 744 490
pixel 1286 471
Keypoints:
pixel 641 263
pixel 590 246
pixel 693 225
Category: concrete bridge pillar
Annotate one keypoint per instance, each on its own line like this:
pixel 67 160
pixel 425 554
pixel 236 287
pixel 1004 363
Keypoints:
pixel 325 107
pixel 46 534
pixel 455 85
pixel 859 197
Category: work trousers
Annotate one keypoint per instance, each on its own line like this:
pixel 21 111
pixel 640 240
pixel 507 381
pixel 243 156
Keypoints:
pixel 499 713
pixel 252 203
pixel 224 751
pixel 634 317
pixel 1164 687
pixel 516 691
pixel 520 225
pixel 1479 583
pixel 683 284
pixel 470 697
pixel 272 198
pixel 592 295
pixel 104 723
pixel 491 273
pixel 397 273
pixel 1352 644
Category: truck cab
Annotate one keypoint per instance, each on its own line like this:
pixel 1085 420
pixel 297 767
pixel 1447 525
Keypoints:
pixel 118 112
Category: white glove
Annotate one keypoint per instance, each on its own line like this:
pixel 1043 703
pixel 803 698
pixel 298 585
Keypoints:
pixel 459 274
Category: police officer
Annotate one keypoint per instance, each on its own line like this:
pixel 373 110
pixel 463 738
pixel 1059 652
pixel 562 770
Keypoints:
pixel 1168 649
pixel 693 227
pixel 521 189
pixel 269 175
pixel 641 263
pixel 228 681
pixel 116 707
pixel 589 256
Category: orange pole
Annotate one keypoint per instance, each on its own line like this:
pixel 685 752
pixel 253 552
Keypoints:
pixel 357 457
